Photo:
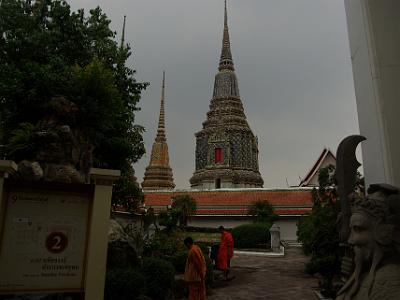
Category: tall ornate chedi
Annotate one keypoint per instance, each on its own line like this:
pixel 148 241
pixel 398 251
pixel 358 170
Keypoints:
pixel 158 175
pixel 226 148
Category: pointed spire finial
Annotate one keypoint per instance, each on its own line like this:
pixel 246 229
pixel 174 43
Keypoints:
pixel 161 120
pixel 158 174
pixel 123 34
pixel 226 61
pixel 225 16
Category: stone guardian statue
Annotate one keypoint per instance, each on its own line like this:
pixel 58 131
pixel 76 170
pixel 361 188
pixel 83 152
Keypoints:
pixel 375 239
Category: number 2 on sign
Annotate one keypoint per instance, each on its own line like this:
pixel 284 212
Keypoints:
pixel 56 242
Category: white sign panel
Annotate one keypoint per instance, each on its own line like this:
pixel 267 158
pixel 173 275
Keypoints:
pixel 44 241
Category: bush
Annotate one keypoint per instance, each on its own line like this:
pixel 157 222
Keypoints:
pixel 202 229
pixel 121 255
pixel 262 211
pixel 179 261
pixel 159 275
pixel 319 236
pixel 163 244
pixel 251 235
pixel 169 219
pixel 124 284
pixel 184 207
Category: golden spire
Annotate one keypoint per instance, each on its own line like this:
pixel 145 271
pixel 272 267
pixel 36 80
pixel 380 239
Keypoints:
pixel 161 120
pixel 158 174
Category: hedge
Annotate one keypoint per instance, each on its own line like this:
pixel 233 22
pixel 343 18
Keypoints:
pixel 159 275
pixel 124 284
pixel 251 235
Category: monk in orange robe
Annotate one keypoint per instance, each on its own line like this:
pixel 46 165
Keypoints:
pixel 195 271
pixel 225 252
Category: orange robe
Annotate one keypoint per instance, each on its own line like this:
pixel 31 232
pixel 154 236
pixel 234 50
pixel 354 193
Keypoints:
pixel 195 274
pixel 225 252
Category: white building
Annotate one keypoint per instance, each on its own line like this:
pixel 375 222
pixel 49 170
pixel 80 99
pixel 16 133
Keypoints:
pixel 374 34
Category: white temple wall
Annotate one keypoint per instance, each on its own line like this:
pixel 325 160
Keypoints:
pixel 288 225
pixel 374 31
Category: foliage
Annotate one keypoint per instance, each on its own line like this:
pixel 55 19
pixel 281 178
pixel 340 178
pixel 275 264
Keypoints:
pixel 121 254
pixel 202 229
pixel 183 206
pixel 169 219
pixel 127 194
pixel 164 244
pixel 47 50
pixel 124 284
pixel 23 143
pixel 150 218
pixel 159 275
pixel 251 235
pixel 318 232
pixel 178 259
pixel 262 211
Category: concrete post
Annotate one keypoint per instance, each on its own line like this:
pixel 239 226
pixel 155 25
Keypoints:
pixel 7 167
pixel 275 238
pixel 97 246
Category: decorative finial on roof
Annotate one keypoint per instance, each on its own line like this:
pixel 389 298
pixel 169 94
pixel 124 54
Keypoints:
pixel 225 17
pixel 161 120
pixel 158 174
pixel 226 61
pixel 123 34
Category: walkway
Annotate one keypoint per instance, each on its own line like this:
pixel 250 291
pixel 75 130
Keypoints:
pixel 262 278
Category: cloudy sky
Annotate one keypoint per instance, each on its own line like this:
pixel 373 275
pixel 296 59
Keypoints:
pixel 292 61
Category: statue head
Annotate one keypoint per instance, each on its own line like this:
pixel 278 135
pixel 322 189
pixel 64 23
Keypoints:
pixel 374 232
pixel 375 224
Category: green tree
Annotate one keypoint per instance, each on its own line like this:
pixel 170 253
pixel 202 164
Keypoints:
pixel 184 206
pixel 169 219
pixel 47 50
pixel 319 235
pixel 262 211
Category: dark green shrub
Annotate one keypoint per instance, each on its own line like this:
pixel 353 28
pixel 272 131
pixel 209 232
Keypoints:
pixel 262 211
pixel 251 235
pixel 159 275
pixel 169 219
pixel 201 229
pixel 124 284
pixel 121 255
pixel 163 244
pixel 319 235
pixel 179 261
pixel 184 206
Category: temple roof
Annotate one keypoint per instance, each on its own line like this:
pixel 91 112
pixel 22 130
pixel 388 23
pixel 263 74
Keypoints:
pixel 286 202
pixel 226 108
pixel 322 161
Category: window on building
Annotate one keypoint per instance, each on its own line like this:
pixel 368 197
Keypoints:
pixel 218 155
pixel 218 183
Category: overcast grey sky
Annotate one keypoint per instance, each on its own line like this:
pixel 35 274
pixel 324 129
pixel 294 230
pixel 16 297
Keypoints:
pixel 292 61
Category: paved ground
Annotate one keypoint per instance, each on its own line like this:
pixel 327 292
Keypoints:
pixel 262 278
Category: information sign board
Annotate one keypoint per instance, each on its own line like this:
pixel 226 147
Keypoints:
pixel 44 240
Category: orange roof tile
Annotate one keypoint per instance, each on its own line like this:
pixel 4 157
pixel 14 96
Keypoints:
pixel 230 202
